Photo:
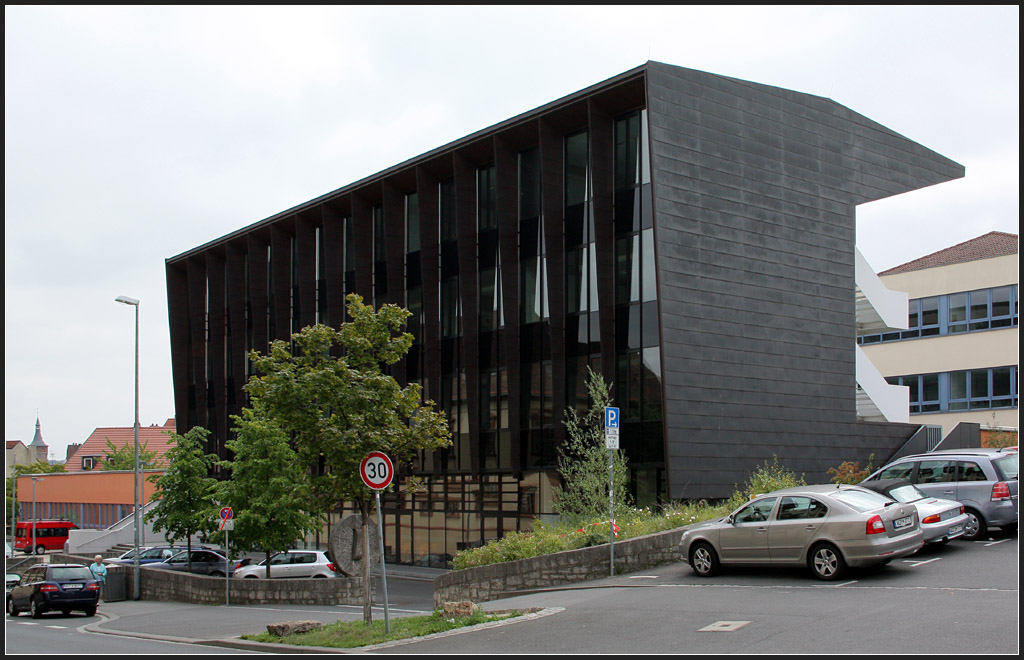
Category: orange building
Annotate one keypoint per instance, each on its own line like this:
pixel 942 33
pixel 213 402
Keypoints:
pixel 92 500
pixel 90 497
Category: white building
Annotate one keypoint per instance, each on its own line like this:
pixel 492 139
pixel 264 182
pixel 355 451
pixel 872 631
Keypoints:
pixel 957 353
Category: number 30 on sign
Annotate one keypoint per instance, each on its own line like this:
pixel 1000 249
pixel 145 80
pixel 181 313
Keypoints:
pixel 376 470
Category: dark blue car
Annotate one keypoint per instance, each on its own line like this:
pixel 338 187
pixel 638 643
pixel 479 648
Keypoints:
pixel 62 587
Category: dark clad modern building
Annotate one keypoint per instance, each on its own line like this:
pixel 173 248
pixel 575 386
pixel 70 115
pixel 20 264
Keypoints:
pixel 690 236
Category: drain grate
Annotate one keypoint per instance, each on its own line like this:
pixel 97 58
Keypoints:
pixel 724 626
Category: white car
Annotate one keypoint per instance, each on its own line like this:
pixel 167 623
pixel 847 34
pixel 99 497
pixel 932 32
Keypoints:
pixel 941 520
pixel 292 564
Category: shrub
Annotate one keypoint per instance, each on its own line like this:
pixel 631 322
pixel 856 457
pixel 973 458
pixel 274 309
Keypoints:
pixel 548 539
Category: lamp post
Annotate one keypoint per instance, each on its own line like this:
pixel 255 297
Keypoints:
pixel 35 515
pixel 125 300
pixel 14 498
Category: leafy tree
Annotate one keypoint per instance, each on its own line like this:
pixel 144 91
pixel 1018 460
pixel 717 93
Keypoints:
pixel 334 398
pixel 123 457
pixel 268 489
pixel 185 503
pixel 583 461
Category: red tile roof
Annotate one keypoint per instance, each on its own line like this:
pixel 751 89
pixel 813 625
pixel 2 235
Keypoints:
pixel 992 244
pixel 152 438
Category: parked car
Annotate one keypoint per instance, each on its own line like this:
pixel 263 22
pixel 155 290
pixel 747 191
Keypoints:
pixel 150 555
pixel 825 528
pixel 204 562
pixel 292 564
pixel 12 580
pixel 63 587
pixel 941 520
pixel 983 480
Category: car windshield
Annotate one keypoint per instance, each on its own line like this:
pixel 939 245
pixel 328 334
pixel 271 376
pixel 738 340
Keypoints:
pixel 1006 466
pixel 70 573
pixel 906 494
pixel 861 500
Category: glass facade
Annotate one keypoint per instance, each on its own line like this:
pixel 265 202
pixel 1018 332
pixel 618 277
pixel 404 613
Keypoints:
pixel 499 257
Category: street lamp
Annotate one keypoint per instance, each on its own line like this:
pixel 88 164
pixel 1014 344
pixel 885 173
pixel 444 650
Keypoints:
pixel 35 514
pixel 125 300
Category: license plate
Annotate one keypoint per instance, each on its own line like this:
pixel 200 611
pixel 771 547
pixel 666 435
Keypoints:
pixel 71 587
pixel 955 529
pixel 900 523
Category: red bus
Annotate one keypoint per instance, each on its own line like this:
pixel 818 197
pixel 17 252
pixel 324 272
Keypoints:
pixel 49 535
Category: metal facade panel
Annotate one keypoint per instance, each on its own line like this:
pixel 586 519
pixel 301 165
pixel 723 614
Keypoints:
pixel 755 189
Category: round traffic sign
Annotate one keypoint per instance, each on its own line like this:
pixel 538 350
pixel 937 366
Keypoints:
pixel 376 470
pixel 226 513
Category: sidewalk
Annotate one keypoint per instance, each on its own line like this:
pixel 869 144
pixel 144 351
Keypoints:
pixel 409 594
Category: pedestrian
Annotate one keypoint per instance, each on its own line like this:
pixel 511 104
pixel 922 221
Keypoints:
pixel 99 572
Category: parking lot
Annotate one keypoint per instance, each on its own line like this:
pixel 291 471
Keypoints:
pixel 959 598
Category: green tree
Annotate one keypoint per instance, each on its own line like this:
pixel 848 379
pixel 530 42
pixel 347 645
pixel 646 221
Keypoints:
pixel 583 461
pixel 333 397
pixel 185 490
pixel 268 490
pixel 123 457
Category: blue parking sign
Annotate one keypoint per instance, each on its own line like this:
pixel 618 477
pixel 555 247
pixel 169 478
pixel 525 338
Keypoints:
pixel 611 418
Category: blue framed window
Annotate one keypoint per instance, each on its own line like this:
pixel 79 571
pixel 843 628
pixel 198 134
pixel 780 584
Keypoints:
pixel 970 389
pixel 966 311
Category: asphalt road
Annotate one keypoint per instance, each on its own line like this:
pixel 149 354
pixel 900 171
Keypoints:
pixel 960 598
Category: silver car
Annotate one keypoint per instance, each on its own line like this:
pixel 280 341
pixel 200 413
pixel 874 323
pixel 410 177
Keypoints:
pixel 983 480
pixel 292 564
pixel 826 528
pixel 941 520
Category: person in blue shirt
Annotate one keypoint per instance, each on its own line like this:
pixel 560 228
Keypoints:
pixel 99 572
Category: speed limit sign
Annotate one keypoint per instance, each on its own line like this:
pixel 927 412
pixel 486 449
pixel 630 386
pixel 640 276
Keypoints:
pixel 376 470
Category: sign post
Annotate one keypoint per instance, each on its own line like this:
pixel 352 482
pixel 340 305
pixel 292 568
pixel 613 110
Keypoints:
pixel 611 443
pixel 227 523
pixel 377 471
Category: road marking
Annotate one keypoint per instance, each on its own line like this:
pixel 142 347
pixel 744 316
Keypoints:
pixel 57 627
pixel 915 563
pixel 987 545
pixel 724 626
pixel 643 577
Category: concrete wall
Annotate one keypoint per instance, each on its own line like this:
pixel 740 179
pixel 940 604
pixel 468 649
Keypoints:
pixel 498 580
pixel 173 586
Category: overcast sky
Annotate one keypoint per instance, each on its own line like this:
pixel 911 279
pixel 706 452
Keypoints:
pixel 133 134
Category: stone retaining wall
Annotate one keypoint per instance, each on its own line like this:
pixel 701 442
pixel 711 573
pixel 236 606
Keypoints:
pixel 486 583
pixel 180 587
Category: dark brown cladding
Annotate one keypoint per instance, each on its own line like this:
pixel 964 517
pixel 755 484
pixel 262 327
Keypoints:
pixel 754 190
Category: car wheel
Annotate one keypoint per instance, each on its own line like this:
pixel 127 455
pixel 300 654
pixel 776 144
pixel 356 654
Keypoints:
pixel 40 549
pixel 66 612
pixel 975 527
pixel 90 611
pixel 826 562
pixel 216 574
pixel 37 609
pixel 250 577
pixel 704 560
pixel 11 609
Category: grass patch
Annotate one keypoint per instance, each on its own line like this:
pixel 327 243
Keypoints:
pixel 353 634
